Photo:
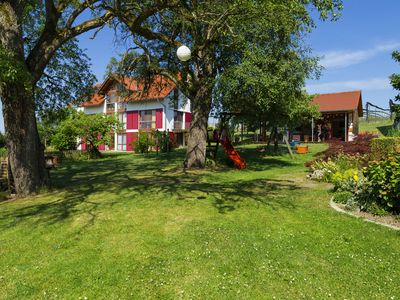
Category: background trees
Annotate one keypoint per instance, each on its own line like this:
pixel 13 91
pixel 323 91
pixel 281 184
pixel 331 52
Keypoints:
pixel 221 35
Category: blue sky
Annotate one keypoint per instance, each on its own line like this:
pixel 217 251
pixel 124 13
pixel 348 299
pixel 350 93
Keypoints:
pixel 355 50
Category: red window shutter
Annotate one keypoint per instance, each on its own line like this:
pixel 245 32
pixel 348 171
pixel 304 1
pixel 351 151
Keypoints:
pixel 132 120
pixel 159 118
pixel 130 137
pixel 188 119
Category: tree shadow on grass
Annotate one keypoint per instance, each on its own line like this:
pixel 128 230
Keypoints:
pixel 118 179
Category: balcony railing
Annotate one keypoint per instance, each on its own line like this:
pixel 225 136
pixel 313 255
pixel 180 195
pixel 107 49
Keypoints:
pixel 121 106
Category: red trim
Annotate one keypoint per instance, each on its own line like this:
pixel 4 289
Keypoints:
pixel 102 147
pixel 130 137
pixel 132 119
pixel 159 118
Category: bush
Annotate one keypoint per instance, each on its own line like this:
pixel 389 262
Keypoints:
pixel 144 142
pixel 384 183
pixel 360 146
pixel 384 147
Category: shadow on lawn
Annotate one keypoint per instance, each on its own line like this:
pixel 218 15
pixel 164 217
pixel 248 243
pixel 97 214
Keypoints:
pixel 126 178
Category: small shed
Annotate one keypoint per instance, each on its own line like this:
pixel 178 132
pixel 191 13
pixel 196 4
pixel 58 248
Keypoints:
pixel 340 118
pixel 340 114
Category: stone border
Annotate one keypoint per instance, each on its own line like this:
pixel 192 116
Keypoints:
pixel 341 210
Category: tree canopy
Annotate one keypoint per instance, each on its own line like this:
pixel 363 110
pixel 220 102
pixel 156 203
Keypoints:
pixel 222 35
pixel 395 78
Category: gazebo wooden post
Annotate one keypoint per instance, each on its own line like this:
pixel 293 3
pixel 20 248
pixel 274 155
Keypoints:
pixel 345 127
pixel 312 130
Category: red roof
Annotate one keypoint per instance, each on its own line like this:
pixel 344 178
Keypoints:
pixel 158 88
pixel 344 101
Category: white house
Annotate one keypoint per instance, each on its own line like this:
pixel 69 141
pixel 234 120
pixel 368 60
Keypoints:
pixel 158 106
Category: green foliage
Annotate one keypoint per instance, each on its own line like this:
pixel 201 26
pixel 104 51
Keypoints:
pixel 67 79
pixel 342 197
pixel 12 70
pixel 164 141
pixel 393 132
pixel 2 140
pixel 395 78
pixel 144 142
pixel 384 178
pixel 382 148
pixel 94 130
pixel 3 152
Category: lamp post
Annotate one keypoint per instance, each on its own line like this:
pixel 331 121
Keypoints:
pixel 183 53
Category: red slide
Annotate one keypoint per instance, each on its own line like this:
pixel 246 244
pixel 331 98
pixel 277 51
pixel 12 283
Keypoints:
pixel 239 162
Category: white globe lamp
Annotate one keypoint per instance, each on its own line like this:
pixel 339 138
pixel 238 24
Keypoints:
pixel 183 53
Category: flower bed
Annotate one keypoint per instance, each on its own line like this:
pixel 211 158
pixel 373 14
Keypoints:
pixel 368 180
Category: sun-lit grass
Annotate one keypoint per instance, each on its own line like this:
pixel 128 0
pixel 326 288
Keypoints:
pixel 128 226
pixel 378 126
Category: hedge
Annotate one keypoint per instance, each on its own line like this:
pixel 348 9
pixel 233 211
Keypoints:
pixel 381 148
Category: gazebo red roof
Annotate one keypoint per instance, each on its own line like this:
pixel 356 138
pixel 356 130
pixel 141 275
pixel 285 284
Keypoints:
pixel 344 101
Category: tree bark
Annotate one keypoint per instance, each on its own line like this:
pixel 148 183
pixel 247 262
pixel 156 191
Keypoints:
pixel 25 150
pixel 26 155
pixel 197 141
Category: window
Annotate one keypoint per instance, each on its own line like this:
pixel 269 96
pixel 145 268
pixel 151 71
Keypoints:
pixel 147 119
pixel 178 119
pixel 122 119
pixel 113 97
pixel 121 139
pixel 110 107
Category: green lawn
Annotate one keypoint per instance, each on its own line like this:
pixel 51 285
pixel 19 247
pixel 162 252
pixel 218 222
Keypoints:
pixel 129 227
pixel 378 126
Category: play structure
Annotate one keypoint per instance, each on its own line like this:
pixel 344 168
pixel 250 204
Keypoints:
pixel 216 137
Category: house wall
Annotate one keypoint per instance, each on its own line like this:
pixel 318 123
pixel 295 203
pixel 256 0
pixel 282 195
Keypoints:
pixel 94 110
pixel 166 106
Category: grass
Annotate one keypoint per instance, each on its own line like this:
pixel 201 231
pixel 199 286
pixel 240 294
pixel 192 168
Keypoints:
pixel 378 126
pixel 128 227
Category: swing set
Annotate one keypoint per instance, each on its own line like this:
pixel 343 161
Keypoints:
pixel 216 137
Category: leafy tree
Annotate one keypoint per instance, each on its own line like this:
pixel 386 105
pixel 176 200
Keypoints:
pixel 219 33
pixel 395 78
pixel 31 34
pixel 395 81
pixel 93 130
pixel 49 121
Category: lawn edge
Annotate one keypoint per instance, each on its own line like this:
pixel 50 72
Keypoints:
pixel 341 210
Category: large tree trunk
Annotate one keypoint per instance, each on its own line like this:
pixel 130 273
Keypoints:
pixel 196 149
pixel 25 150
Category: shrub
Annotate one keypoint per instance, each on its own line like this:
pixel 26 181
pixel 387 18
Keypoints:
pixel 144 142
pixel 384 147
pixel 384 183
pixel 323 170
pixel 346 181
pixel 360 146
pixel 393 132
